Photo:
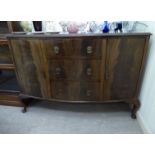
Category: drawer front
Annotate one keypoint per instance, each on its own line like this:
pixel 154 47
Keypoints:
pixel 65 90
pixel 76 91
pixel 5 56
pixel 74 70
pixel 90 91
pixel 91 48
pixel 86 48
pixel 57 48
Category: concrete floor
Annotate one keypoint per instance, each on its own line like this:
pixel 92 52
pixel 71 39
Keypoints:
pixel 44 117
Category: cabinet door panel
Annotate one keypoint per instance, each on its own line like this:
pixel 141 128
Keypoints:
pixel 123 63
pixel 25 67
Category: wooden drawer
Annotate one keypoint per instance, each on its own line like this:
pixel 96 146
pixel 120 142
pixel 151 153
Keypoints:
pixel 75 48
pixel 92 47
pixel 5 56
pixel 65 90
pixel 84 91
pixel 75 69
pixel 90 91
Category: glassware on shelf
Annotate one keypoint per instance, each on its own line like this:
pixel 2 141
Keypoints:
pixel 105 27
pixel 112 26
pixel 27 26
pixel 72 27
pixel 93 27
pixel 52 26
pixel 82 27
pixel 64 25
pixel 37 25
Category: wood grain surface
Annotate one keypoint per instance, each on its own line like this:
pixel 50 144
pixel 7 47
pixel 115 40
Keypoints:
pixel 80 68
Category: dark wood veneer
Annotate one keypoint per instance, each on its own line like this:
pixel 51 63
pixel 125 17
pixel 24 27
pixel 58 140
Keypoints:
pixel 80 68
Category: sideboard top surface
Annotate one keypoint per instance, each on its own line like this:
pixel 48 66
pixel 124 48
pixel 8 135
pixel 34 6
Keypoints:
pixel 72 35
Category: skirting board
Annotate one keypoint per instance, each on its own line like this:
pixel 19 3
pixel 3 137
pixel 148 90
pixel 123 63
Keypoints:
pixel 142 124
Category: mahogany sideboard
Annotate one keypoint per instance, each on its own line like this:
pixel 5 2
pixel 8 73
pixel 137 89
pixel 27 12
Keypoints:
pixel 80 68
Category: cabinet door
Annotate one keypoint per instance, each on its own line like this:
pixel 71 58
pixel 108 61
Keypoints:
pixel 26 53
pixel 123 63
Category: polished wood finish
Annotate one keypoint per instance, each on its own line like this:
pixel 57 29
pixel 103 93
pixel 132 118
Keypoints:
pixel 25 67
pixel 60 48
pixel 81 68
pixel 76 35
pixel 123 66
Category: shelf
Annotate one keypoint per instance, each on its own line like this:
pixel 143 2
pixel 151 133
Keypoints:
pixel 9 89
pixel 10 98
pixel 3 41
pixel 7 66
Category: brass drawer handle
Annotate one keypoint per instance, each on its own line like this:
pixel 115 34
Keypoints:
pixel 89 50
pixel 58 71
pixel 89 71
pixel 89 93
pixel 56 49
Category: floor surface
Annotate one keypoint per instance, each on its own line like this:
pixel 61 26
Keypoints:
pixel 44 117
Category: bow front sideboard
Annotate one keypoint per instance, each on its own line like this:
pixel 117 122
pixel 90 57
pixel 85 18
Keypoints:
pixel 80 68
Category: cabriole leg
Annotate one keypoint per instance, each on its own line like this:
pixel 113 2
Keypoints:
pixel 135 105
pixel 25 101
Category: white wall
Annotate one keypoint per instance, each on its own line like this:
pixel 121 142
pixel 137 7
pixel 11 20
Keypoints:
pixel 146 114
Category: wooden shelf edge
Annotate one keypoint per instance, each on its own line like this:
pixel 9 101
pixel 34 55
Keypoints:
pixel 10 99
pixel 10 92
pixel 7 66
pixel 3 41
pixel 11 103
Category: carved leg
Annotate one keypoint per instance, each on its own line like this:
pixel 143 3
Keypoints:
pixel 25 101
pixel 135 107
pixel 25 104
pixel 135 104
